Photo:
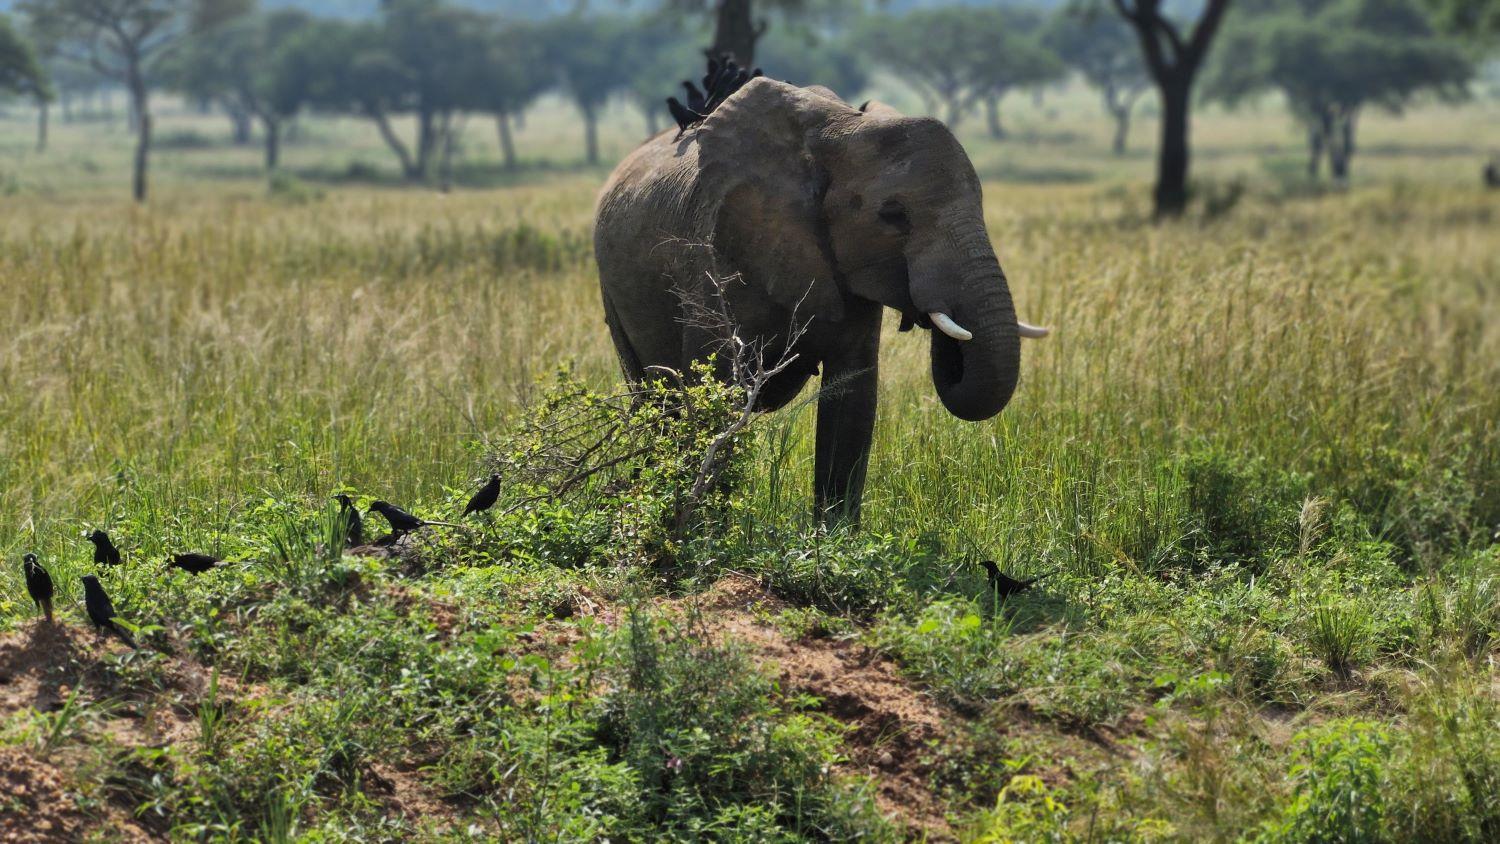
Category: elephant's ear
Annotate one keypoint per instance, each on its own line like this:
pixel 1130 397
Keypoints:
pixel 763 190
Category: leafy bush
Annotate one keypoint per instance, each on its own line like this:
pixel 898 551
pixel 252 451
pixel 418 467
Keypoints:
pixel 714 754
pixel 1342 788
pixel 1243 509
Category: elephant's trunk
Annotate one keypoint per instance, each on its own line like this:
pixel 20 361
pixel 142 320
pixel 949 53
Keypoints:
pixel 976 377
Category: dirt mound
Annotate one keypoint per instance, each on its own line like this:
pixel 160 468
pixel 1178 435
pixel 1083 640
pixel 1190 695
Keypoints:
pixel 37 808
pixel 893 723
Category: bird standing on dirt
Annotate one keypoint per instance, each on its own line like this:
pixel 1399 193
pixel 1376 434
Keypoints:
pixel 38 584
pixel 349 520
pixel 105 552
pixel 401 521
pixel 195 563
pixel 486 497
pixel 101 611
pixel 1003 584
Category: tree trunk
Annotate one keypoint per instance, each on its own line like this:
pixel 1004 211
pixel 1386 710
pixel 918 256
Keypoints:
pixel 427 138
pixel 507 141
pixel 243 123
pixel 445 159
pixel 955 112
pixel 735 31
pixel 41 126
pixel 1314 150
pixel 992 116
pixel 652 124
pixel 409 167
pixel 591 136
pixel 66 103
pixel 1122 130
pixel 273 143
pixel 1171 194
pixel 140 107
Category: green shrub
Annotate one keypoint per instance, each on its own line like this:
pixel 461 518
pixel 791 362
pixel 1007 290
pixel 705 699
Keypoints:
pixel 1341 788
pixel 1242 508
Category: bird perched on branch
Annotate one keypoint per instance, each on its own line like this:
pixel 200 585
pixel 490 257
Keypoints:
pixel 401 521
pixel 195 563
pixel 105 552
pixel 38 585
pixel 486 497
pixel 1003 584
pixel 101 611
pixel 349 519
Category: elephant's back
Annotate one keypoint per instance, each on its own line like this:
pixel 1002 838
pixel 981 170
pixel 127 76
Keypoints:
pixel 651 187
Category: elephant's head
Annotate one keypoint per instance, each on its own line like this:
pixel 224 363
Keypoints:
pixel 816 201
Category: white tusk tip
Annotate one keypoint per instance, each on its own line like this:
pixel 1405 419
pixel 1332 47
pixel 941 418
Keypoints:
pixel 1034 332
pixel 945 324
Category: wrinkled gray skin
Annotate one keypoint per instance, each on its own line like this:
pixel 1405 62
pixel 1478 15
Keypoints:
pixel 817 213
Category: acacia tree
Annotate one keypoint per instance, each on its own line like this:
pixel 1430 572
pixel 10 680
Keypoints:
pixel 1333 58
pixel 737 28
pixel 418 59
pixel 1103 49
pixel 1005 53
pixel 21 73
pixel 241 64
pixel 512 75
pixel 961 56
pixel 119 39
pixel 585 51
pixel 1173 61
pixel 929 49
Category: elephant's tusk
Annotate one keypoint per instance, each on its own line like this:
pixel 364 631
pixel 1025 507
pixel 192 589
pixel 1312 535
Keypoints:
pixel 945 324
pixel 1035 332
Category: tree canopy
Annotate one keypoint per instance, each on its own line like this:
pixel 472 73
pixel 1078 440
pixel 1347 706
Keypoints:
pixel 1103 49
pixel 1332 58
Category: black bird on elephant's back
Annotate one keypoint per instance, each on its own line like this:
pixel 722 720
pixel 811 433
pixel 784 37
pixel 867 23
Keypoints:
pixel 823 216
pixel 105 552
pixel 38 585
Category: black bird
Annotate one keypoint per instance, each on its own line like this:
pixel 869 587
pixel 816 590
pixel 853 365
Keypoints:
pixel 38 584
pixel 684 116
pixel 354 526
pixel 712 75
pixel 105 552
pixel 695 97
pixel 401 521
pixel 1003 584
pixel 486 497
pixel 101 611
pixel 195 563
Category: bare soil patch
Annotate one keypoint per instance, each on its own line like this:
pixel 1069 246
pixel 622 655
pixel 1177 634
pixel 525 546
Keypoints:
pixel 894 725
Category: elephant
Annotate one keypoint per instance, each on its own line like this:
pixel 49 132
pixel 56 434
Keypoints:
pixel 792 208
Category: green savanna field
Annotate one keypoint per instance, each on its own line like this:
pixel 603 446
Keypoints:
pixel 1260 456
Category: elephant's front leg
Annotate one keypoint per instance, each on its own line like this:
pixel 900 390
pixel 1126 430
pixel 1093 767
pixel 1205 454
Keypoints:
pixel 846 416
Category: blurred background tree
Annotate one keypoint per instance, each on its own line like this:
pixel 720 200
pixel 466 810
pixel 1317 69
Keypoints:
pixel 1104 51
pixel 22 74
pixel 1332 58
pixel 119 39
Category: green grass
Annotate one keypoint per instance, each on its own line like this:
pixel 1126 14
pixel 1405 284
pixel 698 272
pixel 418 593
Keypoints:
pixel 1260 454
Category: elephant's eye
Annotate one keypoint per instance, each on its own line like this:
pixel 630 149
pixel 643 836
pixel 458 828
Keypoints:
pixel 893 215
